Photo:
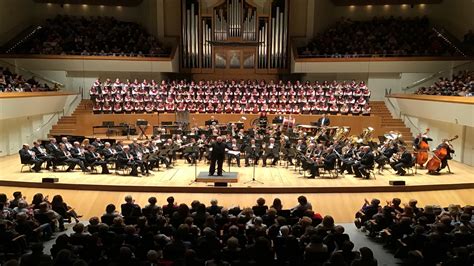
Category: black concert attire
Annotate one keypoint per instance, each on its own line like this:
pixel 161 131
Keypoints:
pixel 230 156
pixel 405 161
pixel 217 156
pixel 329 163
pixel 93 159
pixel 66 157
pixel 444 161
pixel 191 153
pixel 323 122
pixel 78 153
pixel 348 161
pixel 29 157
pixel 271 152
pixel 252 151
pixel 127 159
pixel 42 154
pixel 366 163
pixel 294 152
pixel 383 157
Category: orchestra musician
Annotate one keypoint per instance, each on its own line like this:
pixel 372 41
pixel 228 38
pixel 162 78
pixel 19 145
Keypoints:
pixel 405 161
pixel 270 150
pixel 365 163
pixel 126 158
pixel 324 121
pixel 445 144
pixel 42 154
pixel 28 156
pixel 233 152
pixel 191 151
pixel 327 161
pixel 252 151
pixel 93 158
pixel 62 155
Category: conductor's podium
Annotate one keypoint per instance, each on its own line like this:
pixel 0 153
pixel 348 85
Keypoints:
pixel 219 181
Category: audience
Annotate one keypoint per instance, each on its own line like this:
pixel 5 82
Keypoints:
pixel 231 97
pixel 419 236
pixel 461 84
pixel 99 36
pixel 11 82
pixel 188 237
pixel 377 37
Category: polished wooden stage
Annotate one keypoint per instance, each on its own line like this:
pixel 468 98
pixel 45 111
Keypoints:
pixel 340 197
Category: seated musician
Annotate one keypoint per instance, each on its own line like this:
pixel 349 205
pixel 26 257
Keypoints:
pixel 365 163
pixel 384 153
pixel 62 155
pixel 444 162
pixel 252 151
pixel 270 150
pixel 108 152
pixel 78 152
pixel 126 158
pixel 326 160
pixel 42 154
pixel 405 161
pixel 191 151
pixel 28 156
pixel 233 152
pixel 93 158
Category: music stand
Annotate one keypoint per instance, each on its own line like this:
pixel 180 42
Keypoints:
pixel 142 125
pixel 253 157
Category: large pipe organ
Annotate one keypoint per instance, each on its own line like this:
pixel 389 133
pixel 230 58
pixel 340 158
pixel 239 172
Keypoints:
pixel 238 35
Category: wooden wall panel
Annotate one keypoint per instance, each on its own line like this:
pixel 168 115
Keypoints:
pixel 87 121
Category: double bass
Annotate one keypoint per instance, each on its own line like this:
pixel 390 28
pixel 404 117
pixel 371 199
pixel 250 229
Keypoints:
pixel 422 149
pixel 438 155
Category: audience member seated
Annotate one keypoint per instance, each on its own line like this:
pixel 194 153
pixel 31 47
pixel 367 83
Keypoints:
pixel 377 37
pixel 461 84
pixel 98 36
pixel 11 82
pixel 219 96
pixel 429 236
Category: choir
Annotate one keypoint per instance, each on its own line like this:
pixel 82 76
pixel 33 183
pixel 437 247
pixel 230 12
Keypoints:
pixel 230 97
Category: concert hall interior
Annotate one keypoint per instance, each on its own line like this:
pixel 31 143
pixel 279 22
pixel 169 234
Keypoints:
pixel 236 132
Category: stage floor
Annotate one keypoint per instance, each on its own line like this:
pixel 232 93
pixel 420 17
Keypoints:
pixel 277 179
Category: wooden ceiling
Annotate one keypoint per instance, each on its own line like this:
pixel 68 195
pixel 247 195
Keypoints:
pixel 93 2
pixel 382 2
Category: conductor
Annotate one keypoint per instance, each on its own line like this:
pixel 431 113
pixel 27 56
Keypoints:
pixel 217 155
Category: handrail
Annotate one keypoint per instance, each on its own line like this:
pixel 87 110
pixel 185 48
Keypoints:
pixel 409 120
pixel 432 76
pixel 54 82
pixel 73 103
pixel 446 38
pixel 35 132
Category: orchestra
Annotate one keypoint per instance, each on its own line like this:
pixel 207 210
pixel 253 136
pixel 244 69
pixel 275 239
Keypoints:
pixel 309 148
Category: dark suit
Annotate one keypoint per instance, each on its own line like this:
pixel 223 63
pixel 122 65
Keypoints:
pixel 252 153
pixel 326 122
pixel 405 161
pixel 271 153
pixel 231 156
pixel 329 163
pixel 52 148
pixel 93 159
pixel 27 158
pixel 127 159
pixel 366 162
pixel 43 155
pixel 76 153
pixel 61 157
pixel 217 156
pixel 131 212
